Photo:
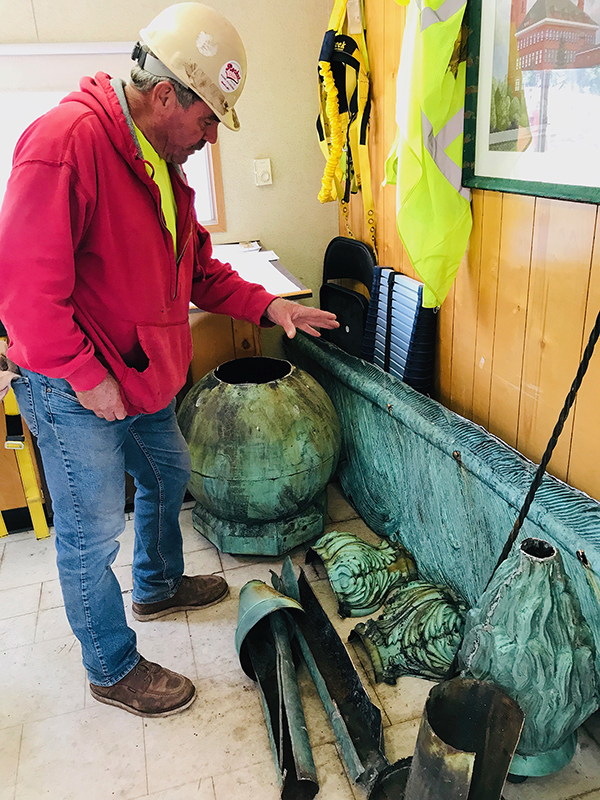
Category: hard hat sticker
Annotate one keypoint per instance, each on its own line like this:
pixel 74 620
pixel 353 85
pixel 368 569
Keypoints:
pixel 206 44
pixel 230 76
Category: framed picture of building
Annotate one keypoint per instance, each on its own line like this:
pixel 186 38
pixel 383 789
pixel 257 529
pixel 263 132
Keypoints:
pixel 532 111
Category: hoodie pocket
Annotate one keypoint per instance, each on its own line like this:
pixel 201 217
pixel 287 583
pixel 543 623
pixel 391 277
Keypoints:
pixel 168 349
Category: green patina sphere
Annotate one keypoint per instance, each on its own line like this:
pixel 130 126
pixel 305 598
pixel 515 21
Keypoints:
pixel 264 440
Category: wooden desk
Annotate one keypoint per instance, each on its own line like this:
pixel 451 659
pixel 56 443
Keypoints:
pixel 301 293
pixel 217 338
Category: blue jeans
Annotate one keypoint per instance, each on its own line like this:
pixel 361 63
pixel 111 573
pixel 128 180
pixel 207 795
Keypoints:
pixel 85 459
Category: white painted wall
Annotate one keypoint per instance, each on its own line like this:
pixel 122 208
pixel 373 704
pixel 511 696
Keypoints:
pixel 277 111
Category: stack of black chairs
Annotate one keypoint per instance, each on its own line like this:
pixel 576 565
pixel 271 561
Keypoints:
pixel 391 329
pixel 400 335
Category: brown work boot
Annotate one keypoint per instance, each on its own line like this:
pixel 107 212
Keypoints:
pixel 149 690
pixel 198 591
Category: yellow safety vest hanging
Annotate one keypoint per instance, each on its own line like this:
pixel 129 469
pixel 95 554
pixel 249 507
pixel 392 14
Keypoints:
pixel 343 123
pixel 433 209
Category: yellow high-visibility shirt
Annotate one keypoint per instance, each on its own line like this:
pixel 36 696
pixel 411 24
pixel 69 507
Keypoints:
pixel 159 172
pixel 433 209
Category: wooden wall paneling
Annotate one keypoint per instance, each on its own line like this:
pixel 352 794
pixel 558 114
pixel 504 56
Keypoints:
pixel 341 224
pixel 511 314
pixel 216 339
pixel 375 26
pixel 357 219
pixel 563 238
pixel 584 464
pixel 486 312
pixel 465 317
pixel 212 341
pixel 445 337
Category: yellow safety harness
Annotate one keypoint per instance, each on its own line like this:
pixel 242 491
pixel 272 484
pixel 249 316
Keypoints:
pixel 343 123
pixel 15 440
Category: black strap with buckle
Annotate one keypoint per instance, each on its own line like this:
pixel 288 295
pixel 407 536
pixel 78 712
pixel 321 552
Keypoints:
pixel 15 439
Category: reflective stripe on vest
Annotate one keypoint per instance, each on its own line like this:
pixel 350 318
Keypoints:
pixel 436 146
pixel 448 9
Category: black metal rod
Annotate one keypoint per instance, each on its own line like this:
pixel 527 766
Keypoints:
pixel 570 399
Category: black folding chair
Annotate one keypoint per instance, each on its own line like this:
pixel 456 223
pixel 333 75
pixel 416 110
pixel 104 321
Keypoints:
pixel 347 259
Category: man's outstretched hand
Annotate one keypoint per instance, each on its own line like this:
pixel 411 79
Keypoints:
pixel 292 315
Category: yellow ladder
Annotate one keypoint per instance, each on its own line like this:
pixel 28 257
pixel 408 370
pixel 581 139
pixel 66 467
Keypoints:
pixel 15 440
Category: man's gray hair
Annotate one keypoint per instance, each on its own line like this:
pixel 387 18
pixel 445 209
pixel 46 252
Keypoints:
pixel 145 81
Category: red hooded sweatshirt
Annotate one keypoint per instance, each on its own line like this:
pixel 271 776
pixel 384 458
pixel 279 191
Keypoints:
pixel 89 281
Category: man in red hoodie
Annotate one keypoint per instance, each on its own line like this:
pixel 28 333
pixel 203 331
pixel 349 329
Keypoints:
pixel 100 255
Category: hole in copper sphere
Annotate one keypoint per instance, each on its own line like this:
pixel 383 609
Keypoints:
pixel 537 548
pixel 253 370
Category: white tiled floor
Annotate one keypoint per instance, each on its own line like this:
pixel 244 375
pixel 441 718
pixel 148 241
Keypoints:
pixel 57 743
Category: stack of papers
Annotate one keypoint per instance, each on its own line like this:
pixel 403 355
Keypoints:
pixel 256 266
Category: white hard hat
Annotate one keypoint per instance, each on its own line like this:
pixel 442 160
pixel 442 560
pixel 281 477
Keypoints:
pixel 198 47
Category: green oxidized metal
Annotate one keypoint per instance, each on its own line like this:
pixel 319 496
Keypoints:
pixel 468 733
pixel 418 633
pixel 264 441
pixel 263 641
pixel 528 635
pixel 361 575
pixel 257 600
